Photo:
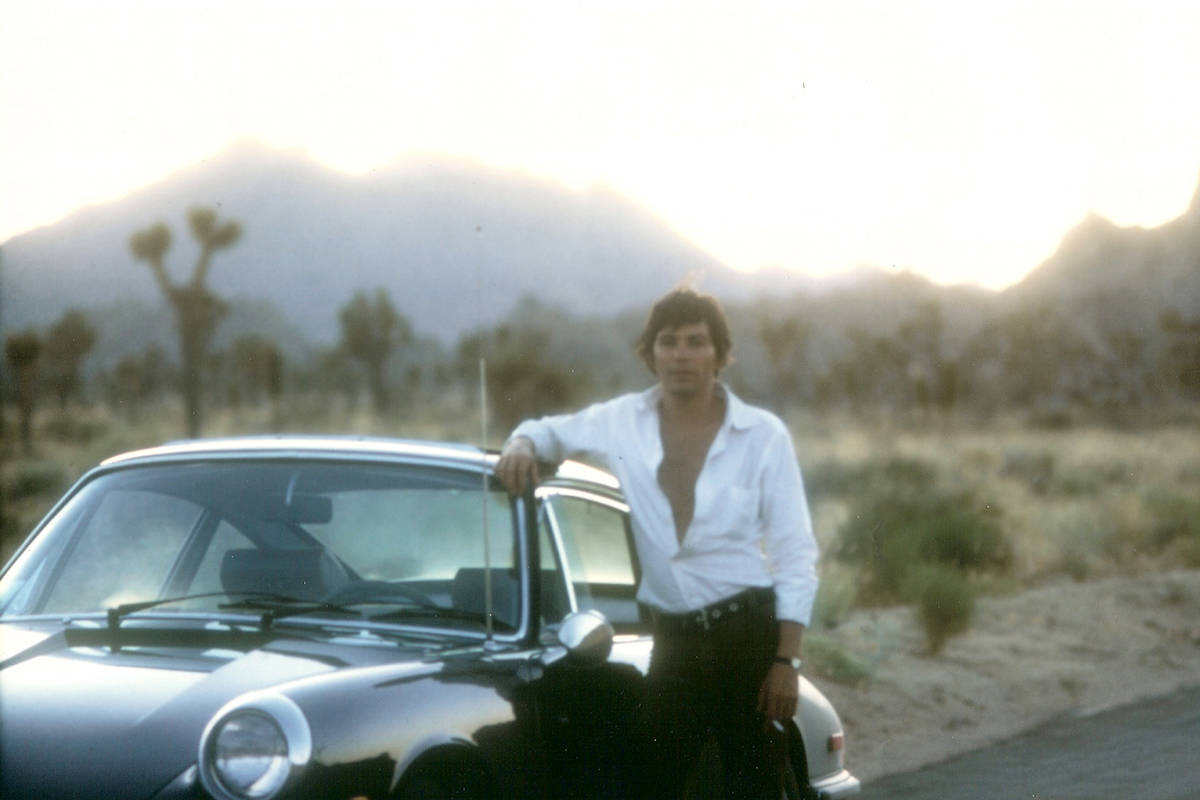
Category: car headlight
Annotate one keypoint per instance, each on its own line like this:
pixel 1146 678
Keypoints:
pixel 254 747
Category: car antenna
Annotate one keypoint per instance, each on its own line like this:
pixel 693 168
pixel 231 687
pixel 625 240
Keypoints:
pixel 488 610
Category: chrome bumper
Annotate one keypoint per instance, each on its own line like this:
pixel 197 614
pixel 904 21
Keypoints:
pixel 837 785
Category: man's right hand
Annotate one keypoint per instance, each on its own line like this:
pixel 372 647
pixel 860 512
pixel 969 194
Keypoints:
pixel 517 467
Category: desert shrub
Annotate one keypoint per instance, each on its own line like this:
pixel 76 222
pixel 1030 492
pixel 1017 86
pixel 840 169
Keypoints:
pixel 826 658
pixel 30 480
pixel 73 429
pixel 1035 469
pixel 1046 475
pixel 8 525
pixel 1079 483
pixel 836 596
pixel 841 479
pixel 1051 419
pixel 1076 562
pixel 945 603
pixel 893 532
pixel 1176 522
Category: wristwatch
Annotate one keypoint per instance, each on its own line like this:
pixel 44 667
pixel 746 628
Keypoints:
pixel 794 663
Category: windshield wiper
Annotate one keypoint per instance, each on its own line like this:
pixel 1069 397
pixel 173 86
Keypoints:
pixel 276 605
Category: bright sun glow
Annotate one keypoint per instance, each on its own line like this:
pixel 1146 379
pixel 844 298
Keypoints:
pixel 959 140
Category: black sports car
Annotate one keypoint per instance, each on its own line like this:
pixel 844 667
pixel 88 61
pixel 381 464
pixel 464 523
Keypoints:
pixel 333 618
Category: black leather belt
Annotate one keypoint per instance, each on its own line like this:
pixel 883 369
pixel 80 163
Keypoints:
pixel 703 619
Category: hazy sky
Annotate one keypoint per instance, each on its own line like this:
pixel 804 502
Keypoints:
pixel 956 138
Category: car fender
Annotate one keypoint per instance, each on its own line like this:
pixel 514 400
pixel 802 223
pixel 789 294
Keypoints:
pixel 404 715
pixel 823 733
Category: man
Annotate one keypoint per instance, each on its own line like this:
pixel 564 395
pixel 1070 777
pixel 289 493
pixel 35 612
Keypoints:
pixel 722 530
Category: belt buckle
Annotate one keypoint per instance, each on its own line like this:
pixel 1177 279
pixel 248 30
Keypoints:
pixel 702 618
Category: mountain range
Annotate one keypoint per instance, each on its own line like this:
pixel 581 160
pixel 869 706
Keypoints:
pixel 457 245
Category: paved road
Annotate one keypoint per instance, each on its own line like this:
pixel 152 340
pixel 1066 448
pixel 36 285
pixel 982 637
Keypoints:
pixel 1149 751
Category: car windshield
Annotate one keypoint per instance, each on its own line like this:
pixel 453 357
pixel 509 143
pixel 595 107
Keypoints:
pixel 375 539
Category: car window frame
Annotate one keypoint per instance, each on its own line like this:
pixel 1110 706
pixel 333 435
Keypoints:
pixel 550 491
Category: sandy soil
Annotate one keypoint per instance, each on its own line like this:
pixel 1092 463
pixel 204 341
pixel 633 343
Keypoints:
pixel 1062 649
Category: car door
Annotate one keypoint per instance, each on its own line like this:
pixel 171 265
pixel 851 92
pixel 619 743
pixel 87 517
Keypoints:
pixel 588 563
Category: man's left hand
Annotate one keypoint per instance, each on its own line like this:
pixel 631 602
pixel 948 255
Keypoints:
pixel 780 694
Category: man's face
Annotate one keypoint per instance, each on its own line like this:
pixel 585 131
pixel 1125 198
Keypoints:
pixel 685 359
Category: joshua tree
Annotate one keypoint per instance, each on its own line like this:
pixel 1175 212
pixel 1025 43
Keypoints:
pixel 786 342
pixel 371 331
pixel 1183 352
pixel 67 343
pixel 197 310
pixel 22 350
pixel 136 378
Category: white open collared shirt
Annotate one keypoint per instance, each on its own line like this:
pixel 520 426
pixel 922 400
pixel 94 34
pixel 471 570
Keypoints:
pixel 751 525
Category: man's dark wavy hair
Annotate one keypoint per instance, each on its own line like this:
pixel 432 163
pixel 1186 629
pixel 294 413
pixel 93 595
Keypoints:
pixel 685 307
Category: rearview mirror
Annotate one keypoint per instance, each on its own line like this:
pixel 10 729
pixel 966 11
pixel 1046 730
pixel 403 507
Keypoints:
pixel 313 509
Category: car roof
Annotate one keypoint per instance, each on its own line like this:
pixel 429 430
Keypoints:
pixel 285 445
pixel 293 446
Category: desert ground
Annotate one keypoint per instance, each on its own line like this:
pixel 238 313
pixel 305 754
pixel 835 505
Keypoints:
pixel 1064 648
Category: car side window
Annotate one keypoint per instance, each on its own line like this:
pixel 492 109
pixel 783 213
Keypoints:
pixel 556 603
pixel 600 561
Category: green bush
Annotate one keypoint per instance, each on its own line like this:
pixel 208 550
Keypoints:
pixel 73 430
pixel 945 603
pixel 1176 523
pixel 828 659
pixel 8 525
pixel 1057 419
pixel 1045 476
pixel 836 596
pixel 838 479
pixel 30 480
pixel 893 532
pixel 1036 468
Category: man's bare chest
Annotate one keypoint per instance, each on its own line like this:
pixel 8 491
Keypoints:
pixel 685 450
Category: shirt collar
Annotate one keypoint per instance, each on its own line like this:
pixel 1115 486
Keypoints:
pixel 737 414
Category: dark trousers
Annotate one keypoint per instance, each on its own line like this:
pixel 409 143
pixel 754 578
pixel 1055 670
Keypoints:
pixel 702 686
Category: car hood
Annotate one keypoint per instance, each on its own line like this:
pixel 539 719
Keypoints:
pixel 124 723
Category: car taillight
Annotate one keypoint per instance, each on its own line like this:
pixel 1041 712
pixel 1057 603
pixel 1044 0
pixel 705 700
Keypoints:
pixel 836 743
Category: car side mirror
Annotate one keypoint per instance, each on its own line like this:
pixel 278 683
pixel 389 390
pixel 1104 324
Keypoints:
pixel 587 637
